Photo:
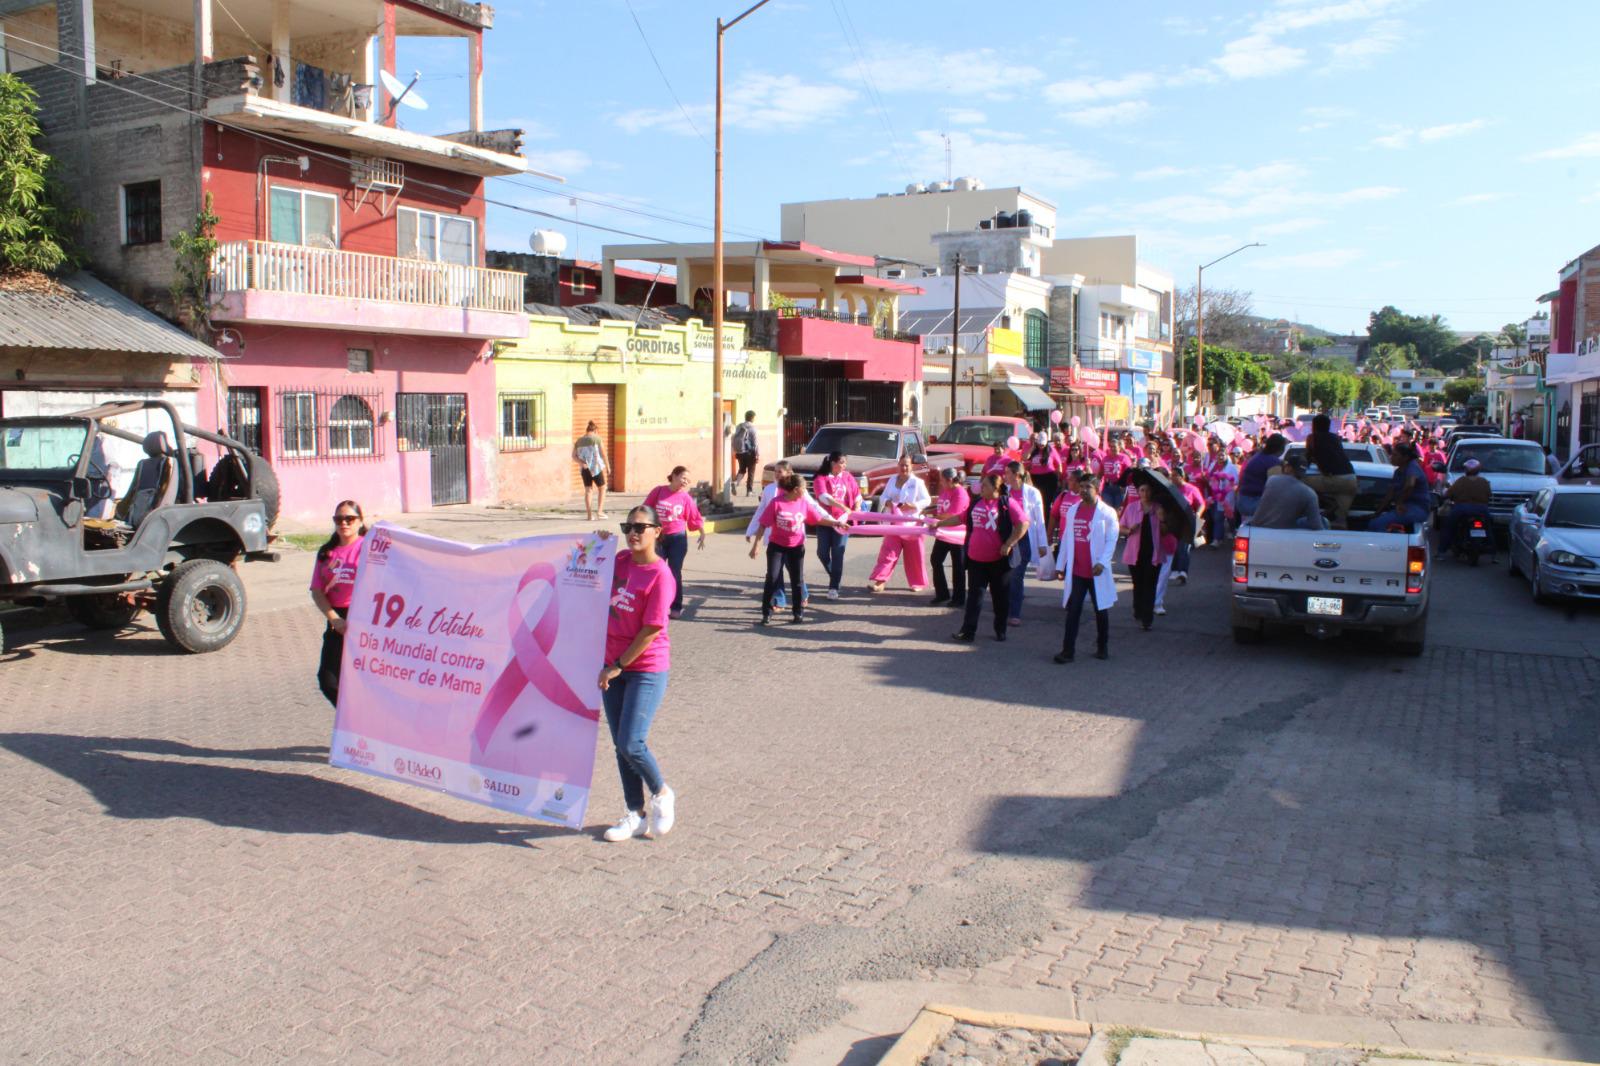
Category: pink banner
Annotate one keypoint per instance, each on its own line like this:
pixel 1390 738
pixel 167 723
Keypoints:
pixel 471 669
pixel 880 524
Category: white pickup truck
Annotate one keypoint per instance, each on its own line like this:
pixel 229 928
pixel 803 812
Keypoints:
pixel 1327 581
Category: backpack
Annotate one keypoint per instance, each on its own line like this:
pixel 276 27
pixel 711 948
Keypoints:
pixel 744 439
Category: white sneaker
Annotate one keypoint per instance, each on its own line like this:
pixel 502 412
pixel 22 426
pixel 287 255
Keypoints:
pixel 1161 610
pixel 630 826
pixel 833 594
pixel 662 813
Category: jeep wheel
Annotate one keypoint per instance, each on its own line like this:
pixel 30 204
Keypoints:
pixel 200 606
pixel 109 611
pixel 266 482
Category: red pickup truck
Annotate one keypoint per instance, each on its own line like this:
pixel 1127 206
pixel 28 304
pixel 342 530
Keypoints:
pixel 872 452
pixel 973 439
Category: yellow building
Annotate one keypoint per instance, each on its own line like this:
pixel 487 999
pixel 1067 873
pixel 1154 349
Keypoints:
pixel 649 391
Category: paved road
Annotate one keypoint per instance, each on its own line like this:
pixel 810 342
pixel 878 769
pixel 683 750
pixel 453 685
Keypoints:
pixel 1305 826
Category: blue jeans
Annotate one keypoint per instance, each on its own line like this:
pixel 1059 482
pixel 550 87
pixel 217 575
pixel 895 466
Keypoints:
pixel 631 701
pixel 1245 505
pixel 830 553
pixel 675 548
pixel 1180 560
pixel 1018 575
pixel 1412 516
pixel 1114 495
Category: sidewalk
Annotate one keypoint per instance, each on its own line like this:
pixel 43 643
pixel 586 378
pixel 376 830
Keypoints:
pixel 485 523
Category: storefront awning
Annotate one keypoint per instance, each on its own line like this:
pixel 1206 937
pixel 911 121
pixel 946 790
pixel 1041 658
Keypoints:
pixel 1092 397
pixel 1032 397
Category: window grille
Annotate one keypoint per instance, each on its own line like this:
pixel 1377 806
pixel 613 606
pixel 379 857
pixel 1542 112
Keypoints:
pixel 324 423
pixel 522 421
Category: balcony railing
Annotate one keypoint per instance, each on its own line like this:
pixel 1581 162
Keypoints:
pixel 880 331
pixel 294 268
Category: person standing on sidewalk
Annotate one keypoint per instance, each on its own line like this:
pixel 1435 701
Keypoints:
pixel 1088 542
pixel 747 452
pixel 1149 545
pixel 903 494
pixel 839 492
pixel 1035 546
pixel 950 543
pixel 785 520
pixel 634 677
pixel 995 526
pixel 333 580
pixel 590 455
pixel 679 515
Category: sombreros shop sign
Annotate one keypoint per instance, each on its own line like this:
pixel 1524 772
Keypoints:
pixel 673 344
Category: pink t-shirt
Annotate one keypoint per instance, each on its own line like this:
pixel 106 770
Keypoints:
pixel 842 487
pixel 952 502
pixel 996 464
pixel 1059 509
pixel 787 519
pixel 640 596
pixel 984 545
pixel 1082 564
pixel 1046 461
pixel 1192 493
pixel 677 510
pixel 335 576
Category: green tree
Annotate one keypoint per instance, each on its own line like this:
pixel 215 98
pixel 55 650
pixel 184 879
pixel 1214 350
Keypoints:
pixel 33 222
pixel 1460 390
pixel 1309 345
pixel 1428 334
pixel 1465 356
pixel 1227 370
pixel 1329 388
pixel 1386 356
pixel 1374 390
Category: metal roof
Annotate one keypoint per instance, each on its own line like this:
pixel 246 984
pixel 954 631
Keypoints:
pixel 90 317
pixel 936 321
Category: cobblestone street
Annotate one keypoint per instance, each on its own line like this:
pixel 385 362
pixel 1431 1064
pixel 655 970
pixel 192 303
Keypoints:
pixel 1309 827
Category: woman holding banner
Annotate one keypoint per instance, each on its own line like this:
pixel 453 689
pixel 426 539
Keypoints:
pixel 679 514
pixel 903 494
pixel 634 677
pixel 333 580
pixel 785 520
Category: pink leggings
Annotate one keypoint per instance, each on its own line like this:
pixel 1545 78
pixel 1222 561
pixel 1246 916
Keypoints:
pixel 916 560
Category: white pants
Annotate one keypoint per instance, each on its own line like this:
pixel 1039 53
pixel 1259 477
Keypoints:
pixel 1161 582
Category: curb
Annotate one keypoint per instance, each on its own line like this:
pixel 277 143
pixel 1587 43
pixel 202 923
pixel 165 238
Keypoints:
pixel 934 1021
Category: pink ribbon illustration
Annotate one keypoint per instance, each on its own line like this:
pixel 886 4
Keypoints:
pixel 530 663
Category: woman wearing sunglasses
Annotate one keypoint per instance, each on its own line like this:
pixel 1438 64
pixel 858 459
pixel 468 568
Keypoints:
pixel 634 677
pixel 333 580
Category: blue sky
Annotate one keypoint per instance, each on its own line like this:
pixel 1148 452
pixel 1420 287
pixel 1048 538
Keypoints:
pixel 1441 155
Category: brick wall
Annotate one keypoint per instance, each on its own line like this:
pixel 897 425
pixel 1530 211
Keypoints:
pixel 1588 309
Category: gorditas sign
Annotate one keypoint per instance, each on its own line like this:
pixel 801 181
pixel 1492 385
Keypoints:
pixel 472 669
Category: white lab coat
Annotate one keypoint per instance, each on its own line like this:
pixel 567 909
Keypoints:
pixel 912 494
pixel 1102 545
pixel 1038 538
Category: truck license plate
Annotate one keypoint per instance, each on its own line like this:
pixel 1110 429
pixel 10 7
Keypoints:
pixel 1324 605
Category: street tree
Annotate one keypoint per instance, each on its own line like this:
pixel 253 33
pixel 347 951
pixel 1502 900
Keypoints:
pixel 1374 390
pixel 1227 370
pixel 1466 355
pixel 1328 388
pixel 1387 356
pixel 1229 322
pixel 1460 390
pixel 1428 334
pixel 33 222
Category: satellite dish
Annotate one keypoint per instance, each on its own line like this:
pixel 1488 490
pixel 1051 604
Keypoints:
pixel 401 92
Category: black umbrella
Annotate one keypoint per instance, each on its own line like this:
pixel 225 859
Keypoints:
pixel 1180 517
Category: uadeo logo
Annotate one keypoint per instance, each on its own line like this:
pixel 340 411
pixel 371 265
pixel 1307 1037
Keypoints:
pixel 413 768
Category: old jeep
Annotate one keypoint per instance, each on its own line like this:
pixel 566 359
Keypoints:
pixel 171 543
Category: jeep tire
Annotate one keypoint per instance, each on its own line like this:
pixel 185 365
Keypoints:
pixel 107 611
pixel 200 606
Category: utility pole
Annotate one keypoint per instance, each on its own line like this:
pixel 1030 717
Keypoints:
pixel 1200 323
pixel 718 296
pixel 955 341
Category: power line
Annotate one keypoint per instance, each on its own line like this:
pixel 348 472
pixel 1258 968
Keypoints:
pixel 664 79
pixel 852 39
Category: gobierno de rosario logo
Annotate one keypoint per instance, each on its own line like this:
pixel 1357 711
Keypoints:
pixel 582 559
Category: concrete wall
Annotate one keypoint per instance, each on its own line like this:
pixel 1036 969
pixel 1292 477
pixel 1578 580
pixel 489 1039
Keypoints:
pixel 902 226
pixel 663 401
pixel 1101 260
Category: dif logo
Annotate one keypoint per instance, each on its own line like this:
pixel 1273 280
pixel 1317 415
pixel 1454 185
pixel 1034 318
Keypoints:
pixel 412 768
pixel 378 544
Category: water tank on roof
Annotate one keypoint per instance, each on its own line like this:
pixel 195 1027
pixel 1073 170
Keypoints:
pixel 915 187
pixel 548 241
pixel 1004 220
pixel 1024 218
pixel 963 185
pixel 986 223
pixel 940 186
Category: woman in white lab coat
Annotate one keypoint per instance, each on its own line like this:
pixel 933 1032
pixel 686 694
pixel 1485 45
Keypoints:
pixel 903 494
pixel 1088 542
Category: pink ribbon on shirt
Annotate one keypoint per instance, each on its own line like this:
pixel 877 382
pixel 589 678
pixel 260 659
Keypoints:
pixel 530 663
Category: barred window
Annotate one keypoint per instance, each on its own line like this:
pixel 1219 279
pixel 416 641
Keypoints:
pixel 521 421
pixel 141 213
pixel 329 423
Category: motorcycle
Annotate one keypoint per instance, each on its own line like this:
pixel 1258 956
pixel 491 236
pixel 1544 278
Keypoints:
pixel 1473 540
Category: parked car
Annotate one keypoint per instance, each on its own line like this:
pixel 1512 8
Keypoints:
pixel 1555 542
pixel 1583 468
pixel 162 549
pixel 973 439
pixel 1515 469
pixel 1330 580
pixel 871 452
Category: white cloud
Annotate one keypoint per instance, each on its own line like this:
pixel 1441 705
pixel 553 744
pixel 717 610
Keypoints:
pixel 966 116
pixel 1585 147
pixel 1109 114
pixel 1090 90
pixel 755 101
pixel 1381 38
pixel 1288 226
pixel 1477 198
pixel 567 162
pixel 1256 180
pixel 1263 192
pixel 1299 15
pixel 1323 259
pixel 1162 173
pixel 897 67
pixel 1405 136
pixel 1259 55
pixel 1022 159
pixel 1184 26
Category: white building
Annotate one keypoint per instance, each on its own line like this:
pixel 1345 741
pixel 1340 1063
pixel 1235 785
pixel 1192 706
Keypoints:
pixel 1412 383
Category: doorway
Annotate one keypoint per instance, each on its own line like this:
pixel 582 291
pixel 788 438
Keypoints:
pixel 436 422
pixel 597 404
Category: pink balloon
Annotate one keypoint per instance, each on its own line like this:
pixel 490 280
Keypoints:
pixel 1011 445
pixel 1055 416
pixel 1090 438
pixel 1077 420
